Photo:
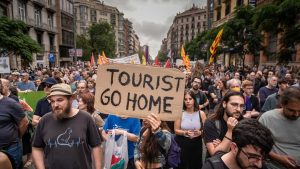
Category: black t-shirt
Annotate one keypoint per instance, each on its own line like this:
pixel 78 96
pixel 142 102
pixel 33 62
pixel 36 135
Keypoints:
pixel 11 113
pixel 200 97
pixel 211 132
pixel 67 143
pixel 215 162
pixel 43 107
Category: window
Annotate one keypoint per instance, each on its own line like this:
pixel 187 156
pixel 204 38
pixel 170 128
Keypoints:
pixel 239 2
pixel 199 17
pixel 83 13
pixel 3 11
pixel 204 16
pixel 50 20
pixel 218 14
pixel 187 19
pixel 38 16
pixel 227 9
pixel 22 10
pixel 93 15
pixel 49 2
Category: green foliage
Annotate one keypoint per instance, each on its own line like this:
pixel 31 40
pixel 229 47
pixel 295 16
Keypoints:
pixel 84 43
pixel 102 38
pixel 162 56
pixel 13 40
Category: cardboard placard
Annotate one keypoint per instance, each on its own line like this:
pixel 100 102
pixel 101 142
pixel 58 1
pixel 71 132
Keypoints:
pixel 138 90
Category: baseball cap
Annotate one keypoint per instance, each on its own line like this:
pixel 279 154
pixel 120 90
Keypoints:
pixel 60 89
pixel 50 81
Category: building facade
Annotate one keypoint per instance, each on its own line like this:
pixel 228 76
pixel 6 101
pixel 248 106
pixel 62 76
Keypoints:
pixel 66 31
pixel 224 10
pixel 93 11
pixel 185 27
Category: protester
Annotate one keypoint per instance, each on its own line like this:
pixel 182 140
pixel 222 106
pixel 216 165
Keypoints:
pixel 252 109
pixel 218 127
pixel 132 126
pixel 12 127
pixel 86 103
pixel 189 130
pixel 201 98
pixel 153 144
pixel 251 141
pixel 284 124
pixel 66 137
pixel 272 100
pixel 234 85
pixel 25 85
pixel 266 91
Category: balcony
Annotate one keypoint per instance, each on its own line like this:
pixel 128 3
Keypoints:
pixel 39 2
pixel 222 20
pixel 51 7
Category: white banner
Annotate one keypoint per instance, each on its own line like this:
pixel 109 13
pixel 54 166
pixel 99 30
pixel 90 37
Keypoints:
pixel 128 59
pixel 4 65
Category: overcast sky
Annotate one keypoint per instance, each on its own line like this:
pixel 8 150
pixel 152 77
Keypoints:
pixel 152 18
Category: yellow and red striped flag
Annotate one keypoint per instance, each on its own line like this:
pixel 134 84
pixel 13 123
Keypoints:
pixel 185 58
pixel 214 45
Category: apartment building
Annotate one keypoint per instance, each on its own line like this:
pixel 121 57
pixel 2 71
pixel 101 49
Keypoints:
pixel 66 31
pixel 185 27
pixel 92 11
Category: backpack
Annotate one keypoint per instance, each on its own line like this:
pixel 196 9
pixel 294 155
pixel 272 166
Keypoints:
pixel 215 161
pixel 173 155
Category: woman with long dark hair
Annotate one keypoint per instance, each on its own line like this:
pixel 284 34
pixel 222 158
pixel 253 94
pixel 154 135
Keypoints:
pixel 188 130
pixel 155 139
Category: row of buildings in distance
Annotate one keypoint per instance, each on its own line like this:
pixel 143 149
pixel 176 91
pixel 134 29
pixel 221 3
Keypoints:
pixel 54 24
pixel 188 24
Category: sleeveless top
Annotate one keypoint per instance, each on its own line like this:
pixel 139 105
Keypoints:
pixel 190 121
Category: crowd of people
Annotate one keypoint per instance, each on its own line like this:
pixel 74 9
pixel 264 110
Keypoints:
pixel 232 117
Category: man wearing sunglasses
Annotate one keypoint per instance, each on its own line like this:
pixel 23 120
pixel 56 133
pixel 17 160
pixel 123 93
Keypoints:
pixel 284 124
pixel 43 106
pixel 251 141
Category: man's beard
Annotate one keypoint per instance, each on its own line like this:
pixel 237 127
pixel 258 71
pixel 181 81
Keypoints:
pixel 230 114
pixel 292 117
pixel 64 114
pixel 240 163
pixel 195 87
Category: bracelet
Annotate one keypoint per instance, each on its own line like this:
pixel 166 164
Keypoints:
pixel 157 130
pixel 227 138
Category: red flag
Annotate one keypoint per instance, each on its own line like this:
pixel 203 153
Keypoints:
pixel 168 63
pixel 156 61
pixel 92 61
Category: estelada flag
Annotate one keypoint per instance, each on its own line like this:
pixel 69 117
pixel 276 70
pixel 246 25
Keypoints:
pixel 214 45
pixel 92 60
pixel 104 58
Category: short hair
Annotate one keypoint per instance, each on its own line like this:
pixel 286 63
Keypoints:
pixel 229 82
pixel 196 77
pixel 251 132
pixel 291 94
pixel 247 83
pixel 88 99
pixel 192 94
pixel 282 81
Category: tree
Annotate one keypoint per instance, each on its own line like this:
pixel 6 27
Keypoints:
pixel 14 41
pixel 102 38
pixel 281 18
pixel 84 43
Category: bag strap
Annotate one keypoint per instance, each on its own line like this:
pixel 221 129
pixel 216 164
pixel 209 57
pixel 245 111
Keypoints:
pixel 201 122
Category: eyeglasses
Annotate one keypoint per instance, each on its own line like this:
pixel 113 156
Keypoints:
pixel 253 157
pixel 236 106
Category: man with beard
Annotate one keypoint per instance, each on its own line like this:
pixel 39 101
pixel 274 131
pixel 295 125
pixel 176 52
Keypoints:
pixel 284 124
pixel 218 127
pixel 251 141
pixel 66 137
pixel 200 96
